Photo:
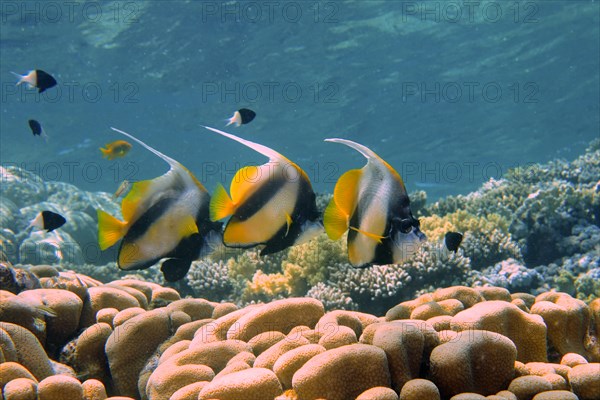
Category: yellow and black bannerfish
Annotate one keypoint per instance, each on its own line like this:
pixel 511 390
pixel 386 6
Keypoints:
pixel 165 217
pixel 271 204
pixel 371 203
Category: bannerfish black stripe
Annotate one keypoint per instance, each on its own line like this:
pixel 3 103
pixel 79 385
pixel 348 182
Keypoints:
pixel 304 211
pixel 260 198
pixel 146 220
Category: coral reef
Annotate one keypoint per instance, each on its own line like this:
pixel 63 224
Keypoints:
pixel 514 313
pixel 24 194
pixel 536 229
pixel 133 339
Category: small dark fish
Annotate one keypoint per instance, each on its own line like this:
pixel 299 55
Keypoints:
pixel 48 220
pixel 37 79
pixel 36 129
pixel 241 117
pixel 452 240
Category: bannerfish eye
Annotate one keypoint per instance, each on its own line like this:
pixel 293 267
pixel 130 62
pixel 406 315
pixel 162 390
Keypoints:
pixel 405 225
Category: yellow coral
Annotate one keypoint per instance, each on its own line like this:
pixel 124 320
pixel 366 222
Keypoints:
pixel 243 266
pixel 265 287
pixel 435 227
pixel 316 256
pixel 296 279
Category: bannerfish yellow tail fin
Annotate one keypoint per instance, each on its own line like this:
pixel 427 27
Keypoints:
pixel 221 205
pixel 370 235
pixel 335 221
pixel 264 150
pixel 110 230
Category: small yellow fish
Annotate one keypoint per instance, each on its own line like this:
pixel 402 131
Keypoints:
pixel 118 148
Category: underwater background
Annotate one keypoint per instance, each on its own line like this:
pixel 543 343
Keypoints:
pixel 489 110
pixel 449 94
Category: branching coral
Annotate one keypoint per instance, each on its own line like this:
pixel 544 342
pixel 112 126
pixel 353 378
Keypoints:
pixel 486 240
pixel 265 287
pixel 512 275
pixel 381 286
pixel 210 280
pixel 316 257
pixel 542 221
pixel 332 297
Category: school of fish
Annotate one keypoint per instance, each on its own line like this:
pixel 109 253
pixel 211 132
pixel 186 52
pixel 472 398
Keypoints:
pixel 173 217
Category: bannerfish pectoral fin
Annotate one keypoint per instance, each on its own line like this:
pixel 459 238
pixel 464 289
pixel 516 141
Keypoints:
pixel 221 205
pixel 377 238
pixel 110 230
pixel 288 221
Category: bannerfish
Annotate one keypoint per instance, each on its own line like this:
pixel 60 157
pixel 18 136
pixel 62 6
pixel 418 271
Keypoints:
pixel 371 203
pixel 241 117
pixel 164 217
pixel 36 79
pixel 123 187
pixel 36 129
pixel 118 148
pixel 452 240
pixel 271 204
pixel 48 220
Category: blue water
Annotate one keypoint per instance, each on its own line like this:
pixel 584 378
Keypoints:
pixel 449 93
